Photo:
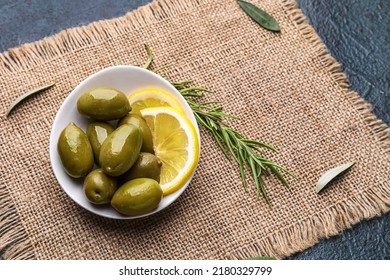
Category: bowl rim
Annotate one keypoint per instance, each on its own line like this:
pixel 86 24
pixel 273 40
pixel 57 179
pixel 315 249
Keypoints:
pixel 54 134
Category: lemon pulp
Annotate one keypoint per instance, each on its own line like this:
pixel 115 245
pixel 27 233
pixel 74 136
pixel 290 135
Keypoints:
pixel 175 143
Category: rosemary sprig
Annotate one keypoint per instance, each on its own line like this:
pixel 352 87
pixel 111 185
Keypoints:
pixel 247 153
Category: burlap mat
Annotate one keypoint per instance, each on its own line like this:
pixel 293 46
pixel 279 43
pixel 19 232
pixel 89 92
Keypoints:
pixel 287 90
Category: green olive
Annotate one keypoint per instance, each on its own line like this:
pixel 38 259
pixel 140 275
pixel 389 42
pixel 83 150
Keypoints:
pixel 120 150
pixel 97 132
pixel 137 120
pixel 146 166
pixel 99 188
pixel 103 104
pixel 137 197
pixel 75 151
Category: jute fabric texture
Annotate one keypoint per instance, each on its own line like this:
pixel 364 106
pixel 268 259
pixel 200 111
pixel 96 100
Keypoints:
pixel 287 91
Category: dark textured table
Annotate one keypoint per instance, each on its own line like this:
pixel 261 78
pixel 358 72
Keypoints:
pixel 357 33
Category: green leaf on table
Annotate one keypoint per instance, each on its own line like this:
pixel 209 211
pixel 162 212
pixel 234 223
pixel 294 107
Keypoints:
pixel 258 15
pixel 332 174
pixel 262 258
pixel 117 62
pixel 24 96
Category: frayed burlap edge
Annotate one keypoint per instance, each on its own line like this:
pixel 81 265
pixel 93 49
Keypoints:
pixel 333 220
pixel 29 55
pixel 14 241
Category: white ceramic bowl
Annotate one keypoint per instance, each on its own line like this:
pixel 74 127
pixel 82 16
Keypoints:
pixel 127 79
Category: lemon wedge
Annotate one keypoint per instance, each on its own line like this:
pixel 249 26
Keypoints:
pixel 151 97
pixel 175 143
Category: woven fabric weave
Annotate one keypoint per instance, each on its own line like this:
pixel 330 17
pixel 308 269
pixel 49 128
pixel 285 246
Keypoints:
pixel 285 87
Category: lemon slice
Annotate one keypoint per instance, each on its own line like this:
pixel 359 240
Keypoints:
pixel 152 97
pixel 175 143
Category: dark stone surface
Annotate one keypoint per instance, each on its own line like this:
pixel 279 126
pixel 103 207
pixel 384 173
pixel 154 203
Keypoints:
pixel 357 33
pixel 27 21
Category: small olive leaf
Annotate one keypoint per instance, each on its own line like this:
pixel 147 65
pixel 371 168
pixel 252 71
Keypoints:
pixel 332 174
pixel 117 62
pixel 150 57
pixel 262 258
pixel 261 17
pixel 24 96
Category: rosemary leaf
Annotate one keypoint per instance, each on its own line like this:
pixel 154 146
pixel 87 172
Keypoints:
pixel 194 89
pixel 331 174
pixel 218 139
pixel 264 192
pixel 255 176
pixel 24 96
pixel 242 165
pixel 192 94
pixel 279 175
pixel 228 142
pixel 161 68
pixel 202 122
pixel 150 57
pixel 255 142
pixel 260 16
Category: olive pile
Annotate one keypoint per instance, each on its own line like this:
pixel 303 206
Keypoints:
pixel 127 173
